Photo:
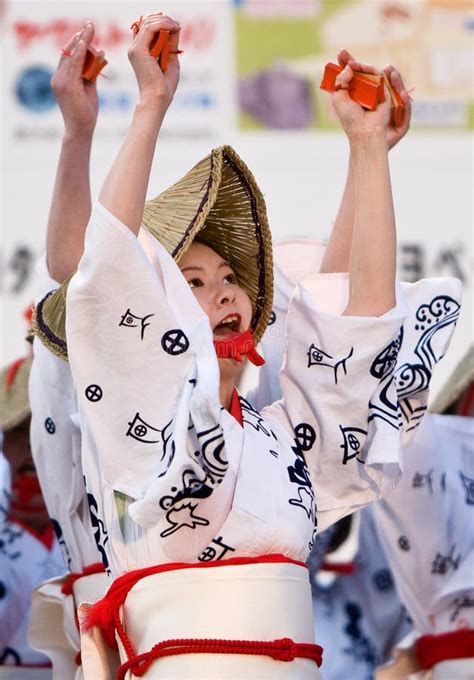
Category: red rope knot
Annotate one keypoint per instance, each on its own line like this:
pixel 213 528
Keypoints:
pixel 283 650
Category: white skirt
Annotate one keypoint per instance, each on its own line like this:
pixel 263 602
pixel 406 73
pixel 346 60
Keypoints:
pixel 246 602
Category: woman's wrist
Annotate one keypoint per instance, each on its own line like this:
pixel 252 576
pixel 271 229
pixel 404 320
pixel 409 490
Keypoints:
pixel 368 142
pixel 77 134
pixel 153 106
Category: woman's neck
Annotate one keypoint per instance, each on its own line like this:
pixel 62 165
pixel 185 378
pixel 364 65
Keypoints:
pixel 226 390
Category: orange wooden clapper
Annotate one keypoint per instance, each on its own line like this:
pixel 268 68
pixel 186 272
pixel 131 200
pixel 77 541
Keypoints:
pixel 160 47
pixel 367 89
pixel 93 64
pixel 362 89
pixel 398 106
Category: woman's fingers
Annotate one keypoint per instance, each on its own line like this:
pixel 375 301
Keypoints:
pixel 150 27
pixel 139 51
pixel 79 52
pixel 68 49
pixel 344 78
pixel 344 57
pixel 365 68
pixel 88 35
pixel 69 57
pixel 174 40
pixel 77 59
pixel 396 81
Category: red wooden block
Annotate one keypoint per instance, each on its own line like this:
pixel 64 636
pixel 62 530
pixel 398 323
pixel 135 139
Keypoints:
pixel 93 64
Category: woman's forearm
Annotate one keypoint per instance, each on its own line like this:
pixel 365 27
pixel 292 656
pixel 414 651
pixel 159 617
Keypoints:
pixel 337 255
pixel 373 252
pixel 124 190
pixel 70 206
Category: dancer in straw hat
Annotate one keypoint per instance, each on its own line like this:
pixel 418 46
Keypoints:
pixel 426 527
pixel 207 507
pixel 29 551
pixel 55 431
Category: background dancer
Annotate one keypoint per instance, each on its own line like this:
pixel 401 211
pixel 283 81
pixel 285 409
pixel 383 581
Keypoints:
pixel 426 531
pixel 55 431
pixel 29 551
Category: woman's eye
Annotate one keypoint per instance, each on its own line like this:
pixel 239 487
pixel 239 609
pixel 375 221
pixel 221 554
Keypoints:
pixel 230 278
pixel 195 283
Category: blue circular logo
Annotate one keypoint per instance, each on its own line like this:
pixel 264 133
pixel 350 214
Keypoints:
pixel 33 89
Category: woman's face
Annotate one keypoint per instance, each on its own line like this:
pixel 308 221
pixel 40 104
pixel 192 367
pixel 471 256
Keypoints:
pixel 215 287
pixel 26 497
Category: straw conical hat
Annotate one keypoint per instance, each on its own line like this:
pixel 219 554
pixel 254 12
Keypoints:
pixel 218 199
pixel 14 400
pixel 457 382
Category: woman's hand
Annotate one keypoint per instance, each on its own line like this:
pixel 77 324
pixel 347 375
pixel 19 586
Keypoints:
pixel 393 134
pixel 77 98
pixel 155 85
pixel 358 123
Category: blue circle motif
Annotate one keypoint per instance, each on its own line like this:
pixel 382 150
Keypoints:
pixel 33 89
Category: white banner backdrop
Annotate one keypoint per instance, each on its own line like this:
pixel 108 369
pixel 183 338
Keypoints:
pixel 301 173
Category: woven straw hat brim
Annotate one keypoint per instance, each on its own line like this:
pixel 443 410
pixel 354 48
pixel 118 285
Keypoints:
pixel 48 321
pixel 220 202
pixel 458 381
pixel 231 218
pixel 14 399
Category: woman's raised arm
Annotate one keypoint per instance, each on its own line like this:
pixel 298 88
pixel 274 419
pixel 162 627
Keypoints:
pixel 124 190
pixel 372 266
pixel 71 201
pixel 337 254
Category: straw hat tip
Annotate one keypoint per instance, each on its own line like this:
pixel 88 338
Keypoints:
pixel 14 399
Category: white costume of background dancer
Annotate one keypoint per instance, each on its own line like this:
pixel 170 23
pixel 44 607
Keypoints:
pixel 56 448
pixel 358 614
pixel 25 562
pixel 426 531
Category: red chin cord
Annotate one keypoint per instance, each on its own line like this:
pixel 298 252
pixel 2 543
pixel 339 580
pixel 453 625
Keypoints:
pixel 238 347
pixel 26 487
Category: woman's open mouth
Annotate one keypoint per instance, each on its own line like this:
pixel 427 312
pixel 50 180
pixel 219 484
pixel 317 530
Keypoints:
pixel 228 327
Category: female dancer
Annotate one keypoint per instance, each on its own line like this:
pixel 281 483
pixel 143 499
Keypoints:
pixel 173 474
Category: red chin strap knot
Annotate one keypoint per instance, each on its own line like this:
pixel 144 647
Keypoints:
pixel 239 346
pixel 26 487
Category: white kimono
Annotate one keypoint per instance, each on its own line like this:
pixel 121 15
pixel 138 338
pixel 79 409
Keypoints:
pixel 358 616
pixel 427 523
pixel 55 439
pixel 170 474
pixel 25 561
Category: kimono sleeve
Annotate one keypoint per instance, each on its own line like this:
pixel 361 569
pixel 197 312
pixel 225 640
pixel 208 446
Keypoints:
pixel 130 356
pixel 56 448
pixel 146 375
pixel 354 387
pixel 56 443
pixel 294 261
